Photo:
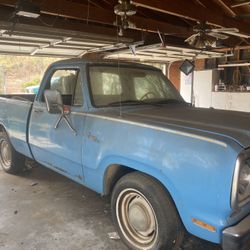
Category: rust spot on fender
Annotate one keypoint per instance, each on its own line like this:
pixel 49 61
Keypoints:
pixel 93 138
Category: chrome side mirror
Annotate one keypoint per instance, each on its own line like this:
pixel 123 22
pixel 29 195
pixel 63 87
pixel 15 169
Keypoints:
pixel 54 103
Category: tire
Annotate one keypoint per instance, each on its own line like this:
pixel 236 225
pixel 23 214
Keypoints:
pixel 11 161
pixel 144 214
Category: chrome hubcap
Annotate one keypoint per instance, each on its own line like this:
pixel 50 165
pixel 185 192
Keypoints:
pixel 141 216
pixel 5 154
pixel 136 219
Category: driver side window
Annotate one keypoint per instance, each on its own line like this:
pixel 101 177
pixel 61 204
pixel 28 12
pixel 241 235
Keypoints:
pixel 69 84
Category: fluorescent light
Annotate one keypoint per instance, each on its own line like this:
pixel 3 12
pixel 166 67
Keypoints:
pixel 27 14
pixel 28 9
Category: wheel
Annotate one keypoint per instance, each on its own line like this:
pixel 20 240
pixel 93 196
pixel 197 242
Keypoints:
pixel 11 161
pixel 145 215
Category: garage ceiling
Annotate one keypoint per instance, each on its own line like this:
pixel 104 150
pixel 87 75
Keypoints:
pixel 45 41
pixel 73 28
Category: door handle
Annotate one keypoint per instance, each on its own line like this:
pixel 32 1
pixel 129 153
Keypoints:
pixel 38 111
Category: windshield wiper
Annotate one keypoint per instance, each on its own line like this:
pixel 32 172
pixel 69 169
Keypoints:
pixel 132 102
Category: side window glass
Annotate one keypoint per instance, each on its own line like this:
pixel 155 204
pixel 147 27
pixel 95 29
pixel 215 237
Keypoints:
pixel 78 96
pixel 65 82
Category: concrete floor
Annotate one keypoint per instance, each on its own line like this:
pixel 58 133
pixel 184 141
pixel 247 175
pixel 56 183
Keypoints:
pixel 43 210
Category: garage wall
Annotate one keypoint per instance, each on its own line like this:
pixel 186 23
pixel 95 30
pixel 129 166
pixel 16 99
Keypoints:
pixel 206 97
pixel 175 75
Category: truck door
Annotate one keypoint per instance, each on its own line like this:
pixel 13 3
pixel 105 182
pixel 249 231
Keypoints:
pixel 59 148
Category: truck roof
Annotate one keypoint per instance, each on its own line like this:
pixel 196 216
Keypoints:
pixel 78 61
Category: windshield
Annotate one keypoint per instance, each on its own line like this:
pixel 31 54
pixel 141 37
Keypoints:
pixel 115 86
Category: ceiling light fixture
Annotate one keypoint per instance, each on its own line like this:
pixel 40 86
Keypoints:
pixel 26 8
pixel 124 9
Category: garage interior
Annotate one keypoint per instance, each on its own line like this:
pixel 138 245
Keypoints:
pixel 42 210
pixel 215 36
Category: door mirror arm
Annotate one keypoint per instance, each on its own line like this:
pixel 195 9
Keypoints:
pixel 54 104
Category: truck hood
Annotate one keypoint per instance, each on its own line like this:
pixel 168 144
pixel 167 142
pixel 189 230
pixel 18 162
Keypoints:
pixel 235 125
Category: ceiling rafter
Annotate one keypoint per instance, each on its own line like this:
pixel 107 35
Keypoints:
pixel 214 5
pixel 187 11
pixel 77 11
pixel 88 30
pixel 208 4
pixel 226 5
pixel 96 17
pixel 75 29
pixel 240 4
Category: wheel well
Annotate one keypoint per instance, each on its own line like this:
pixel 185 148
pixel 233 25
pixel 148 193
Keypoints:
pixel 116 172
pixel 113 174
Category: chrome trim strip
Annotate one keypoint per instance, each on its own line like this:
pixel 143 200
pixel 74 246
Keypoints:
pixel 235 185
pixel 234 191
pixel 198 137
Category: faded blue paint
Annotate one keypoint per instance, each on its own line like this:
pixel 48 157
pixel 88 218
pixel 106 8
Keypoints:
pixel 178 145
pixel 13 116
pixel 57 148
pixel 196 175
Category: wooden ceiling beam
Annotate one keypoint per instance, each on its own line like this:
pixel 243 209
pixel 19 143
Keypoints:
pixel 187 10
pixel 245 47
pixel 214 5
pixel 62 27
pixel 81 12
pixel 78 30
pixel 208 4
pixel 240 4
pixel 226 5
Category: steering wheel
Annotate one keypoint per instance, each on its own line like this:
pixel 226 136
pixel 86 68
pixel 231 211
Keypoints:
pixel 146 96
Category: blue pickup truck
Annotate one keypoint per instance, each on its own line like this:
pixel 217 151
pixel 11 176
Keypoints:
pixel 123 129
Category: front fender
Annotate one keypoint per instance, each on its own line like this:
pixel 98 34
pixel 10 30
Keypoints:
pixel 196 172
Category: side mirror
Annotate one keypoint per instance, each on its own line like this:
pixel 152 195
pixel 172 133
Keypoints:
pixel 54 103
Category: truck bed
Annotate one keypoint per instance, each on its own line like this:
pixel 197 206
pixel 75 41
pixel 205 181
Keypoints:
pixel 21 97
pixel 14 116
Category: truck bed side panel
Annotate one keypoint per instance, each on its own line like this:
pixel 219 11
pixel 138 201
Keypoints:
pixel 14 115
